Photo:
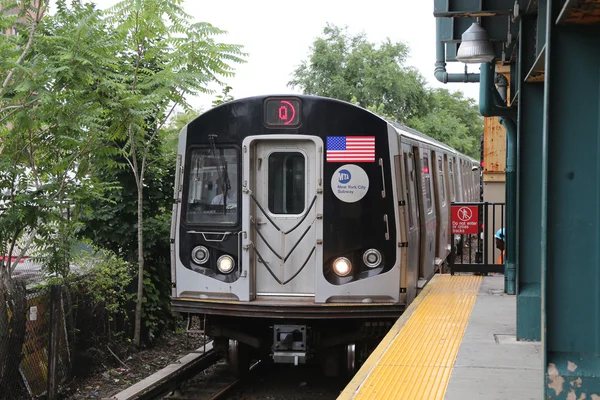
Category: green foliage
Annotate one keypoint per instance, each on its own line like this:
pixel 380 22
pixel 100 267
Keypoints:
pixel 155 310
pixel 376 77
pixel 102 295
pixel 112 222
pixel 224 97
pixel 161 57
pixel 108 280
pixel 452 119
pixel 175 125
pixel 51 113
pixel 84 100
pixel 345 66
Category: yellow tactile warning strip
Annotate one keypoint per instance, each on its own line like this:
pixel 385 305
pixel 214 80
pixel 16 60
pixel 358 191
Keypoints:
pixel 415 359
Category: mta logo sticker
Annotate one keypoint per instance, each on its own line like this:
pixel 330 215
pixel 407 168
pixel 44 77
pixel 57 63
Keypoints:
pixel 350 183
pixel 344 176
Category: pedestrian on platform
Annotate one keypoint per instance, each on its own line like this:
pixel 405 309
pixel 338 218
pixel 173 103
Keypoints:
pixel 501 245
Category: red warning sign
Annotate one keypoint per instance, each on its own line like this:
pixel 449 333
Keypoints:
pixel 465 220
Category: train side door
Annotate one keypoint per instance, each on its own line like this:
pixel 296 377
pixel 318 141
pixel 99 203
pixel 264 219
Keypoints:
pixel 451 180
pixel 428 218
pixel 284 181
pixel 442 238
pixel 413 223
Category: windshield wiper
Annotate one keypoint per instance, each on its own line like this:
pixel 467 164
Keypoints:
pixel 221 170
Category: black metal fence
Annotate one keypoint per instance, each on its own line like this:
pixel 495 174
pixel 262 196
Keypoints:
pixel 474 245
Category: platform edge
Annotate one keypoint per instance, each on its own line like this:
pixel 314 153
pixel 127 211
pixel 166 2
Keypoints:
pixel 363 373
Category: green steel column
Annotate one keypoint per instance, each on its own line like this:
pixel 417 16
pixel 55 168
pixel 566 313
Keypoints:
pixel 529 193
pixel 571 269
pixel 511 202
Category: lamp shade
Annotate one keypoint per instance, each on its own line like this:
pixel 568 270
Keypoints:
pixel 475 46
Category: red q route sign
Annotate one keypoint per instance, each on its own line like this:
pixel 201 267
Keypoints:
pixel 465 220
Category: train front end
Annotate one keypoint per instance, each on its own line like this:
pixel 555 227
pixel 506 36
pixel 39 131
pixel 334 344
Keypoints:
pixel 285 236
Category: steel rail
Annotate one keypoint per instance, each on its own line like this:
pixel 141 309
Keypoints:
pixel 172 376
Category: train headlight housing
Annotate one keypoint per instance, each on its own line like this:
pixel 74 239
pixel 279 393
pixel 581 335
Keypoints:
pixel 372 258
pixel 342 266
pixel 200 255
pixel 225 264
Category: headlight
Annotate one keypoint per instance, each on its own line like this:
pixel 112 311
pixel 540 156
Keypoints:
pixel 225 264
pixel 372 258
pixel 200 255
pixel 342 266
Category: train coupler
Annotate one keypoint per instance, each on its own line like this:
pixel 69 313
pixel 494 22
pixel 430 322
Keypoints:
pixel 289 344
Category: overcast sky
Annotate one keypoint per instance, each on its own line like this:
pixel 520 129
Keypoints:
pixel 278 35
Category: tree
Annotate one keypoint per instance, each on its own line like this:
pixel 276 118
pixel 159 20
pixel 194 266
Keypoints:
pixel 452 119
pixel 343 66
pixel 164 57
pixel 376 77
pixel 50 113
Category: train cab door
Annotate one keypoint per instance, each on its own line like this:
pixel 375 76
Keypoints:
pixel 412 205
pixel 282 178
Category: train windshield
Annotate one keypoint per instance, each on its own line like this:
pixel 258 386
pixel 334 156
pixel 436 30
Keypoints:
pixel 213 195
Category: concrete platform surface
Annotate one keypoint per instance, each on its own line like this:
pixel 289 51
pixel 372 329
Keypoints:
pixel 491 364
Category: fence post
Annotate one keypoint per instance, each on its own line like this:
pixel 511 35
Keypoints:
pixel 53 342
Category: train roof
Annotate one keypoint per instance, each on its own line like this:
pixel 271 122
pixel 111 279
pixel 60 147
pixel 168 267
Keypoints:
pixel 401 129
pixel 414 134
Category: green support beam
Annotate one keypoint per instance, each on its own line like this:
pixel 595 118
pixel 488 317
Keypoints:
pixel 571 263
pixel 529 194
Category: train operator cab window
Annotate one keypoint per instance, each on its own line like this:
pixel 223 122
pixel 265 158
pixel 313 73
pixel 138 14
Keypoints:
pixel 287 183
pixel 211 201
pixel 427 182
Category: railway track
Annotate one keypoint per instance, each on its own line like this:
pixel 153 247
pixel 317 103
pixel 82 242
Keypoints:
pixel 201 375
pixel 216 384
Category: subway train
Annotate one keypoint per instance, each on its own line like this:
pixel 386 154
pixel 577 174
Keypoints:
pixel 303 227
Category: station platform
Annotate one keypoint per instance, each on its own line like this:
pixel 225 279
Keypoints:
pixel 455 341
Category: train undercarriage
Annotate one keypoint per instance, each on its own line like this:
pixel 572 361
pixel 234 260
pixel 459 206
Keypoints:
pixel 337 338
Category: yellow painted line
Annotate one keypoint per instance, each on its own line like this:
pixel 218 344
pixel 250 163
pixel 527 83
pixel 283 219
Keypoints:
pixel 415 359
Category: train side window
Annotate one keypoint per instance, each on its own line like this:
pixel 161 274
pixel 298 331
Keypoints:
pixel 287 183
pixel 427 178
pixel 206 204
pixel 442 184
pixel 408 176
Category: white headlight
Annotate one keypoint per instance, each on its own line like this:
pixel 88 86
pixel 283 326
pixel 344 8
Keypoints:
pixel 342 266
pixel 372 258
pixel 225 264
pixel 200 255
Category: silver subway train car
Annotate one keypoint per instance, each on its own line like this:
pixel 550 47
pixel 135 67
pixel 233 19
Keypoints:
pixel 303 226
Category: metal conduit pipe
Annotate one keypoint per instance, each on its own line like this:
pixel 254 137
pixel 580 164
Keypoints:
pixel 440 61
pixel 491 104
pixel 490 101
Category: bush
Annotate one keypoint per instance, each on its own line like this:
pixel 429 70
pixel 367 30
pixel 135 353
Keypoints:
pixel 102 297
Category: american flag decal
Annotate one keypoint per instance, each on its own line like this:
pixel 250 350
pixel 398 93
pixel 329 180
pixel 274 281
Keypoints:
pixel 350 149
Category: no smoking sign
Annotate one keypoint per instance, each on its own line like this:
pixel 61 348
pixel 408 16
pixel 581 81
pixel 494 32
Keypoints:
pixel 465 220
